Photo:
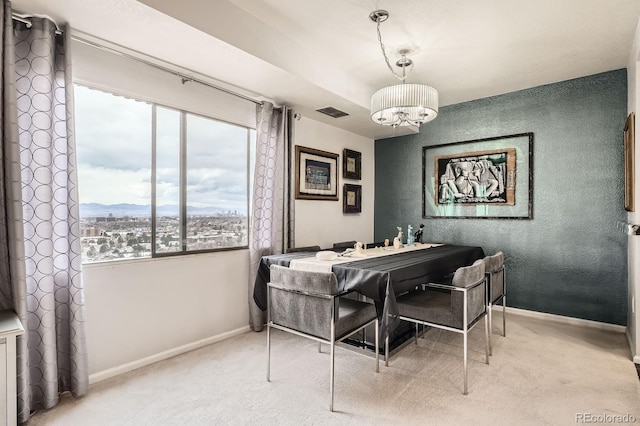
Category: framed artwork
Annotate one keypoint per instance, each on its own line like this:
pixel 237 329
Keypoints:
pixel 351 198
pixel 629 166
pixel 351 164
pixel 316 174
pixel 482 178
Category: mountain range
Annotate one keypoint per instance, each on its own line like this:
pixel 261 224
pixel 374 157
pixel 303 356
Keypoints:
pixel 125 209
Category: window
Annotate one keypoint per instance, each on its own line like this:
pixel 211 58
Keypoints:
pixel 156 181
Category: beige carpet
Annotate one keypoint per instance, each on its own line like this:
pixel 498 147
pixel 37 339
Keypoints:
pixel 542 373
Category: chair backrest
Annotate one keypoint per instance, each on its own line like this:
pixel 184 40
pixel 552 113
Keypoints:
pixel 307 248
pixel 469 275
pixel 494 263
pixel 303 300
pixel 465 277
pixel 344 245
pixel 494 268
pixel 321 283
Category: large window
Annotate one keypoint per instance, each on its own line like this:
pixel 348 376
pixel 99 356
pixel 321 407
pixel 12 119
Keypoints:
pixel 156 181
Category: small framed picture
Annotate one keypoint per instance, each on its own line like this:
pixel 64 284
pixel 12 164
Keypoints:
pixel 351 198
pixel 629 167
pixel 316 174
pixel 351 164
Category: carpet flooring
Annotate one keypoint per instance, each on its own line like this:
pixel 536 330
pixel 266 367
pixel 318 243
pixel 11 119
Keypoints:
pixel 541 373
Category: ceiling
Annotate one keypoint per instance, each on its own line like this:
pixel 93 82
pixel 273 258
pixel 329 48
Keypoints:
pixel 314 54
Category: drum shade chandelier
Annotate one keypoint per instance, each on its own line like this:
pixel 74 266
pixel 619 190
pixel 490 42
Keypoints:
pixel 402 104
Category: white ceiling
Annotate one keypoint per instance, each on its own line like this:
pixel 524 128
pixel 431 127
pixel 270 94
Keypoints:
pixel 314 54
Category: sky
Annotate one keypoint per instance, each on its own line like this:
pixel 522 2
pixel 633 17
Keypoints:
pixel 113 138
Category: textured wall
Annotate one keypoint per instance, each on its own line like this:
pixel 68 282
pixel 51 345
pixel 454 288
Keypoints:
pixel 569 259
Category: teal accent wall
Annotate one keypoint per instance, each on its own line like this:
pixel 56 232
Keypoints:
pixel 571 258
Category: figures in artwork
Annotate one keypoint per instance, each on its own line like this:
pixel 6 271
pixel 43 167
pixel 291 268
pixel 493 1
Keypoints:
pixel 473 179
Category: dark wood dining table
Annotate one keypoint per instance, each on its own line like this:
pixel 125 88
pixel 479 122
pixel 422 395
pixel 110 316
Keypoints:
pixel 381 278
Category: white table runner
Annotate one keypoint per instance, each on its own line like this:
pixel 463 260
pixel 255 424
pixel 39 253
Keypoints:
pixel 315 265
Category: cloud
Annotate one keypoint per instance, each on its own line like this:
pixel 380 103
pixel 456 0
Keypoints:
pixel 113 135
pixel 112 131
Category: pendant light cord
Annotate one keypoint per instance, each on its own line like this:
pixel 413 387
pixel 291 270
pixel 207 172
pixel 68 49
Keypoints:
pixel 404 75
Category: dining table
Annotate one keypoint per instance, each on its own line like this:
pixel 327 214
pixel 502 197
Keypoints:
pixel 379 273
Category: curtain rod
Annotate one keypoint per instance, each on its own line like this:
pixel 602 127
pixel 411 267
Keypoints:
pixel 26 19
pixel 185 78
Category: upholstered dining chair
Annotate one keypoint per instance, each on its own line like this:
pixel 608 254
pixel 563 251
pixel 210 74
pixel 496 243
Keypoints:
pixel 496 289
pixel 308 304
pixel 344 245
pixel 456 306
pixel 301 249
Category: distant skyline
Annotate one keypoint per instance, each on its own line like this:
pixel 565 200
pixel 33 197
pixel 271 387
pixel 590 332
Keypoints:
pixel 88 210
pixel 113 138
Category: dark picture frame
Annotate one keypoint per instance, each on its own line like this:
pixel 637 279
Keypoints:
pixel 351 164
pixel 629 162
pixel 351 198
pixel 483 178
pixel 316 174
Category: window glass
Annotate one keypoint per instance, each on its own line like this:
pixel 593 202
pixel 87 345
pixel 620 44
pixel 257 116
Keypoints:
pixel 216 184
pixel 167 182
pixel 113 140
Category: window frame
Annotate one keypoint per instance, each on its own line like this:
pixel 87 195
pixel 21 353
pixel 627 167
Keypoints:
pixel 183 178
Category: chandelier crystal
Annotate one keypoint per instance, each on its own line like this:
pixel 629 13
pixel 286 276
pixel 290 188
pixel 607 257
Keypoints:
pixel 402 104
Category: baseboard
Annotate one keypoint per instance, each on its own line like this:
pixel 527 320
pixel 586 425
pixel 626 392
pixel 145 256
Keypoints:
pixel 565 320
pixel 116 371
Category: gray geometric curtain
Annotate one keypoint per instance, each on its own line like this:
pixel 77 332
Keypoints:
pixel 39 240
pixel 272 213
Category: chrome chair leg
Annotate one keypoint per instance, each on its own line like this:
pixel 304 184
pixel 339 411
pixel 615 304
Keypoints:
pixel 319 347
pixel 377 348
pixel 386 351
pixel 416 336
pixel 487 339
pixel 504 315
pixel 268 353
pixel 331 376
pixel 465 362
pixel 490 313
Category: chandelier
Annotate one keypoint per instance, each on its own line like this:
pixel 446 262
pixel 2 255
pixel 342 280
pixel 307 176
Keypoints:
pixel 402 104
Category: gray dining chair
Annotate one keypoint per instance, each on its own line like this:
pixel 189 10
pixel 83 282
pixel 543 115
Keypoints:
pixel 302 249
pixel 310 305
pixel 456 306
pixel 496 290
pixel 344 245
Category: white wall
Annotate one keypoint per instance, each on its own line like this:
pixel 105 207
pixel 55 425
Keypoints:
pixel 633 79
pixel 141 311
pixel 320 222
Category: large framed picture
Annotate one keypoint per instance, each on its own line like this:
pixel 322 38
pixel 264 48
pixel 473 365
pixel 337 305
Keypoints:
pixel 316 174
pixel 482 178
pixel 351 164
pixel 629 166
pixel 352 198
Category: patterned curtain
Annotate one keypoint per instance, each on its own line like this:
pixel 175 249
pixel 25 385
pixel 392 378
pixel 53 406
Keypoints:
pixel 271 216
pixel 39 237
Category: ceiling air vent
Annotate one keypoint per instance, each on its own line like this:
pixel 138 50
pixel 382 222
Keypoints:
pixel 332 112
